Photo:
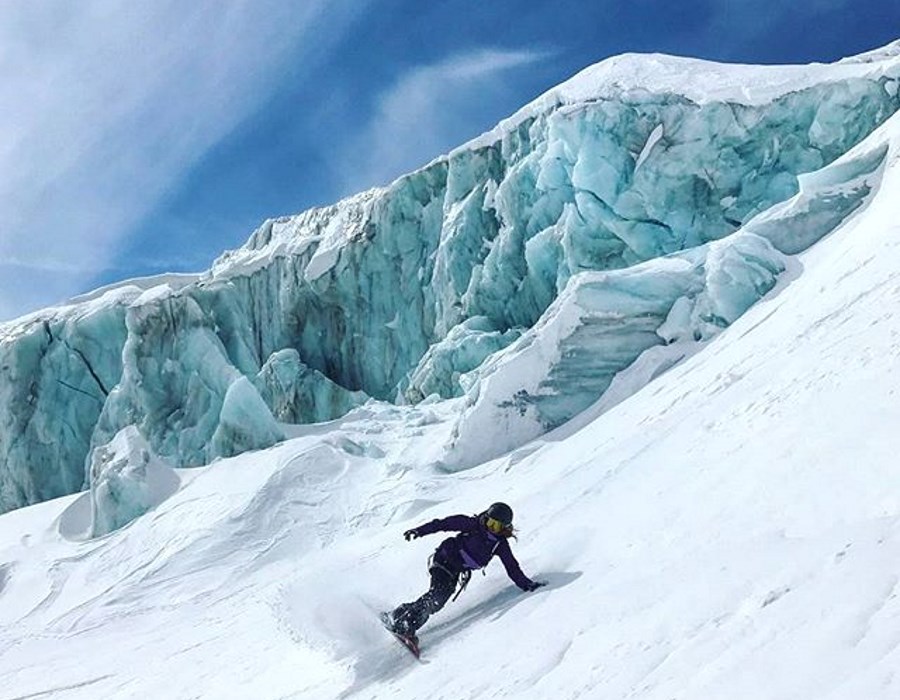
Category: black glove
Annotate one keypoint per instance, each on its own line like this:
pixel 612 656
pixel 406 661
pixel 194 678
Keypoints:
pixel 534 585
pixel 410 535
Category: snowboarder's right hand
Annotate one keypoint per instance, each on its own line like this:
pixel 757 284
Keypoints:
pixel 410 535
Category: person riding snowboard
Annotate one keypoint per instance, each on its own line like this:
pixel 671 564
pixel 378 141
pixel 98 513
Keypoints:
pixel 481 537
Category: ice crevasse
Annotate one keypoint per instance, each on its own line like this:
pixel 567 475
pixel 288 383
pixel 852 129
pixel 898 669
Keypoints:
pixel 623 210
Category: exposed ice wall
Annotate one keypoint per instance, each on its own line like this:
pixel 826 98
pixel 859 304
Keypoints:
pixel 398 293
pixel 127 480
pixel 603 322
pixel 56 374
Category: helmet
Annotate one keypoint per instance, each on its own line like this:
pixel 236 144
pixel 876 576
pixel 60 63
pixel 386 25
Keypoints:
pixel 501 512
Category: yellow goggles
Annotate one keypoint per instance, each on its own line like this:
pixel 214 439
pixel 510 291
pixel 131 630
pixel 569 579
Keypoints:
pixel 494 525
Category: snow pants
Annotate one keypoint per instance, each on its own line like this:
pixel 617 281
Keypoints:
pixel 411 616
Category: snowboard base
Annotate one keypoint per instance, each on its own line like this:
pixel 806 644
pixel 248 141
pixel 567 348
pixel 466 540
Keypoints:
pixel 411 644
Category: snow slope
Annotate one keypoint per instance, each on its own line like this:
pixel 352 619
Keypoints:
pixel 731 530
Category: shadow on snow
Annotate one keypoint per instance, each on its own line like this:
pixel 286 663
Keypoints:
pixel 390 661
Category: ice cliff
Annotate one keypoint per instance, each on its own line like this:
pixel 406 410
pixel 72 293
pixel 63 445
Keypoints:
pixel 648 201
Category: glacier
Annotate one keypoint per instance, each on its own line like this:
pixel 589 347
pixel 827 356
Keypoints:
pixel 600 325
pixel 624 196
pixel 603 322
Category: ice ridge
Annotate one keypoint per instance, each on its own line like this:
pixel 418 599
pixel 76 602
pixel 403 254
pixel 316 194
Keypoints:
pixel 613 204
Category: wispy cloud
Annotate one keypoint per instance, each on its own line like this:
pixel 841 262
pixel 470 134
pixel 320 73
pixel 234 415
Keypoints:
pixel 427 111
pixel 106 105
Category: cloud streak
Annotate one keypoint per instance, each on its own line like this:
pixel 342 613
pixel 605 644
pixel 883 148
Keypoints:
pixel 107 105
pixel 427 111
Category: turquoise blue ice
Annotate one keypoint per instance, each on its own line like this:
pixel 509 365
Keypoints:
pixel 524 271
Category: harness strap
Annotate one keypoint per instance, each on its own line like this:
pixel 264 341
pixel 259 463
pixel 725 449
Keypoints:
pixel 463 582
pixel 432 564
pixel 464 575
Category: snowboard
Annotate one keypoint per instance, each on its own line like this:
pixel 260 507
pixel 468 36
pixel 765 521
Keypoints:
pixel 410 643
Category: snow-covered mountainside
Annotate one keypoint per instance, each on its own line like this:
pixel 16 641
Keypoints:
pixel 730 530
pixel 712 508
pixel 439 283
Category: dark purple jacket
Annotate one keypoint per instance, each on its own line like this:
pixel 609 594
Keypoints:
pixel 474 547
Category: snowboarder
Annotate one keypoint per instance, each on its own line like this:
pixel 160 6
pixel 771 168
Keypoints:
pixel 481 537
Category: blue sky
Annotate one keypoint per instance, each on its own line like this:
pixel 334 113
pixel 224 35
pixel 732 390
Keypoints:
pixel 137 138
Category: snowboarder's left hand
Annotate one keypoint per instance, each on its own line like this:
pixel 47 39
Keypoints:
pixel 534 585
pixel 410 535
